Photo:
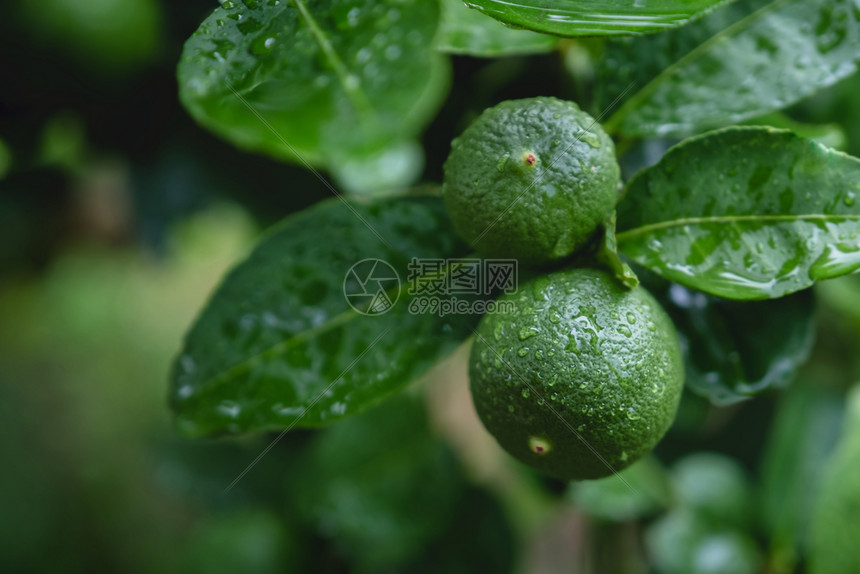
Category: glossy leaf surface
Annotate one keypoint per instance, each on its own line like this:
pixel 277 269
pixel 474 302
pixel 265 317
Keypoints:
pixel 315 82
pixel 471 33
pixel 278 343
pixel 596 18
pixel 745 213
pixel 772 58
pixel 736 349
pixel 639 59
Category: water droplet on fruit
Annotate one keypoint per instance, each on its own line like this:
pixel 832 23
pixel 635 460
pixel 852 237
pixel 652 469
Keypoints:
pixel 528 332
pixel 498 331
pixel 523 351
pixel 526 393
pixel 849 199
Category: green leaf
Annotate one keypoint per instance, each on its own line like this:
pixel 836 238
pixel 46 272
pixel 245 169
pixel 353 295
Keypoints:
pixel 597 17
pixel 745 213
pixel 468 32
pixel 381 485
pixel 636 492
pixel 835 529
pixel 767 61
pixel 830 135
pixel 804 433
pixel 316 83
pixel 639 59
pixel 278 344
pixel 736 349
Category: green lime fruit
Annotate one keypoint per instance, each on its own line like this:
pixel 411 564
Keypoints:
pixel 531 179
pixel 575 375
pixel 835 528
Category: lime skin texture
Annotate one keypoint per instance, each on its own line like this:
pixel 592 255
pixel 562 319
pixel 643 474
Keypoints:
pixel 582 378
pixel 531 179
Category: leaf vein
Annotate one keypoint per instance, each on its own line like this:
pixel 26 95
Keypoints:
pixel 731 219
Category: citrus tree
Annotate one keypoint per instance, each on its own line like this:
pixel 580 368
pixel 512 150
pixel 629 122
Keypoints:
pixel 596 263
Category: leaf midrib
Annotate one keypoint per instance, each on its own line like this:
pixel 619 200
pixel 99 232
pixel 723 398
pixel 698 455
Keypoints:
pixel 780 218
pixel 354 92
pixel 614 122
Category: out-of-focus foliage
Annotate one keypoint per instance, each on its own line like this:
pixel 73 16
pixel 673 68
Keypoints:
pixel 118 215
pixel 112 37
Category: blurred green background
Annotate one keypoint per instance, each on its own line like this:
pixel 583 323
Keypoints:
pixel 118 216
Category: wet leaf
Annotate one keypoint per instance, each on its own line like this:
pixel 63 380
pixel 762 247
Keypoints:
pixel 381 485
pixel 279 344
pixel 286 77
pixel 640 59
pixel 774 57
pixel 736 349
pixel 830 135
pixel 468 32
pixel 745 213
pixel 598 17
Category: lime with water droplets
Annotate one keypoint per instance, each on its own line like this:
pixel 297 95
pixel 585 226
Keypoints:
pixel 531 179
pixel 582 378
